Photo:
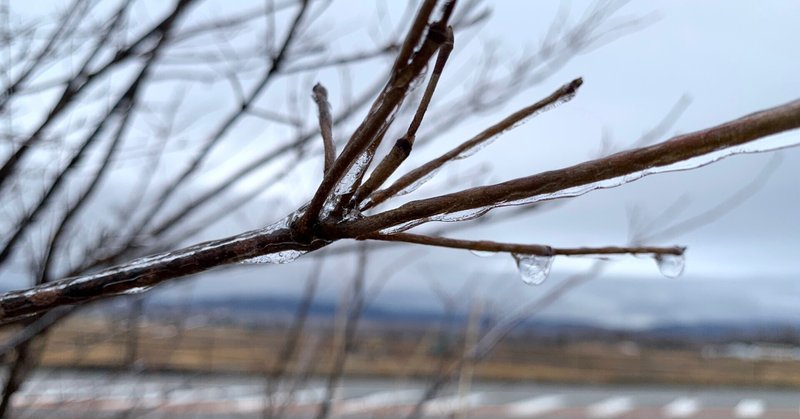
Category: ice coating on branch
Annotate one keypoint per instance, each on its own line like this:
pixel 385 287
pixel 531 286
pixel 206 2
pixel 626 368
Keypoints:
pixel 460 215
pixel 419 182
pixel 476 148
pixel 353 214
pixel 488 141
pixel 764 145
pixel 403 227
pixel 670 266
pixel 447 217
pixel 137 290
pixel 345 185
pixel 533 269
pixel 349 179
pixel 482 253
pixel 285 256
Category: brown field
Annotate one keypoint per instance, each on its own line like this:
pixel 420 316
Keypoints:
pixel 94 343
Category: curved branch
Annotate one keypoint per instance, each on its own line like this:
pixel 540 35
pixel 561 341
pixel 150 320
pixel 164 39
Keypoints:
pixel 678 149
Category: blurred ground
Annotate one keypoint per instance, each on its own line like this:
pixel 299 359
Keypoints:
pixel 106 345
pixel 75 394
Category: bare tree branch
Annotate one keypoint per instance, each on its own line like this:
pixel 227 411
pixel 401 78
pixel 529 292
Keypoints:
pixel 547 184
pixel 523 249
pixel 564 93
pixel 325 124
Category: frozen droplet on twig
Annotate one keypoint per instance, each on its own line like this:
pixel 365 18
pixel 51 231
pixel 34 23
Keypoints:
pixel 482 253
pixel 533 269
pixel 670 266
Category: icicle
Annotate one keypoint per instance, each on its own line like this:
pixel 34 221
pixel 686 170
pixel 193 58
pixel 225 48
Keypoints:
pixel 533 269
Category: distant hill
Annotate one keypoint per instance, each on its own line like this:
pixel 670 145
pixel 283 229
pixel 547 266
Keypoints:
pixel 280 311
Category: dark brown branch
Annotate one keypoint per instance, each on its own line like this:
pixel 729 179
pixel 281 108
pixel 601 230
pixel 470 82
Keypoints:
pixel 146 272
pixel 383 108
pixel 325 124
pixel 402 147
pixel 740 131
pixel 524 249
pixel 563 93
pixel 414 33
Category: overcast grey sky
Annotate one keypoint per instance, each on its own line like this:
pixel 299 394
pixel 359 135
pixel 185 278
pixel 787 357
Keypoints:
pixel 730 57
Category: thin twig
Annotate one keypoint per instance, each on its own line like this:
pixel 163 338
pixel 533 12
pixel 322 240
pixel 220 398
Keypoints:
pixel 402 147
pixel 325 124
pixel 564 93
pixel 685 147
pixel 524 249
pixel 383 108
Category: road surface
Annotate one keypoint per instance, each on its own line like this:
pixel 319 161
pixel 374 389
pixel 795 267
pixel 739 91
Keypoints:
pixel 80 394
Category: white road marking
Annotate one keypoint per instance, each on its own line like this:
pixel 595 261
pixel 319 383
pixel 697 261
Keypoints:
pixel 257 402
pixel 377 401
pixel 682 407
pixel 609 408
pixel 749 408
pixel 449 405
pixel 535 406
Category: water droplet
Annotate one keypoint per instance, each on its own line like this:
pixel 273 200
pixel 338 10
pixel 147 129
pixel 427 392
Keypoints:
pixel 533 269
pixel 670 266
pixel 482 253
pixel 285 256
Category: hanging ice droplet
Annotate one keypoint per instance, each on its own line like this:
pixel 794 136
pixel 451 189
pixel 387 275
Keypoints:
pixel 285 256
pixel 670 266
pixel 533 269
pixel 482 253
